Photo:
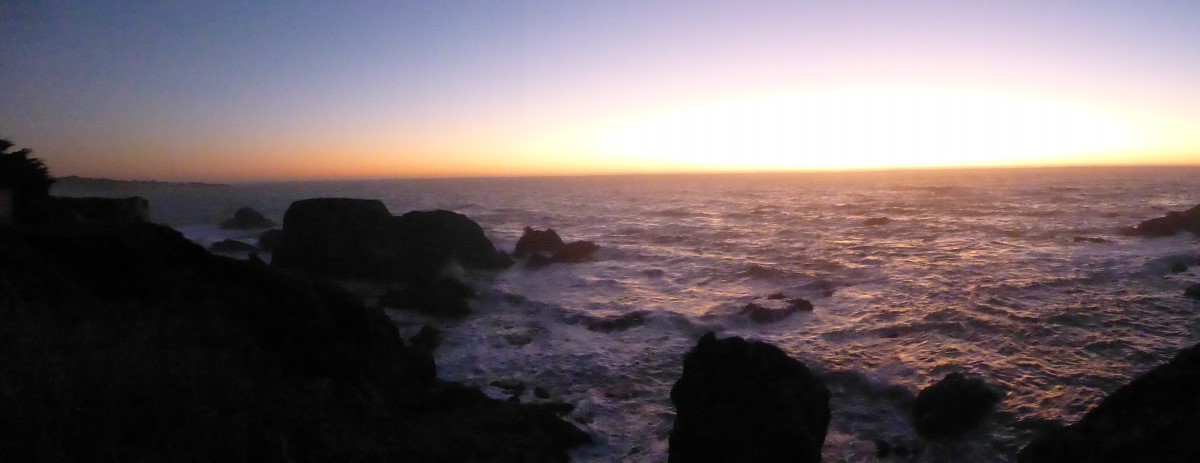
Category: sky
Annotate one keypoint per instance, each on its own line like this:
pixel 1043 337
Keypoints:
pixel 270 90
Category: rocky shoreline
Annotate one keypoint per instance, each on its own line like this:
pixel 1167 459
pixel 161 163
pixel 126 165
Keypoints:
pixel 134 343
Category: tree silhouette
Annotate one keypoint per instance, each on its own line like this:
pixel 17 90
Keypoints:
pixel 27 177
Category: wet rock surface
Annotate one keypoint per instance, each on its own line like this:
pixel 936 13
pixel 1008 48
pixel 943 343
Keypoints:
pixel 953 406
pixel 1156 417
pixel 744 400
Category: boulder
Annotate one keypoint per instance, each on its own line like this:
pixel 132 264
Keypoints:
pixel 763 314
pixel 1156 417
pixel 744 400
pixel 875 221
pixel 231 247
pixel 247 219
pixel 1168 225
pixel 953 406
pixel 441 297
pixel 537 242
pixel 544 247
pixel 358 238
pixel 1193 291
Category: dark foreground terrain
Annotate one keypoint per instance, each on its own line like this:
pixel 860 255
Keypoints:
pixel 127 342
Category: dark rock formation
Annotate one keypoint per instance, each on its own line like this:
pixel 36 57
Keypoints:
pixel 1193 291
pixel 618 323
pixel 1178 267
pixel 78 211
pixel 358 238
pixel 231 246
pixel 1085 239
pixel 763 314
pixel 1172 223
pixel 247 219
pixel 877 221
pixel 429 338
pixel 744 400
pixel 953 406
pixel 270 239
pixel 440 297
pixel 1156 417
pixel 534 241
pixel 131 343
pixel 545 247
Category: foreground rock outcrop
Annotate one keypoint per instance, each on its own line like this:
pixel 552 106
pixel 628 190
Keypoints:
pixel 744 400
pixel 1170 224
pixel 953 406
pixel 131 343
pixel 359 238
pixel 1156 417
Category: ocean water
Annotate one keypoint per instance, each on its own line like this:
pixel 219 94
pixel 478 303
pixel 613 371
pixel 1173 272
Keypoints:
pixel 977 271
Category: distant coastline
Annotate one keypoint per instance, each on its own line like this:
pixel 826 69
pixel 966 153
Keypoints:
pixel 72 185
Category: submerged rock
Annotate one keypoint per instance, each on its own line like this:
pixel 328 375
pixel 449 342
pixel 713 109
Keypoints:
pixel 762 314
pixel 1156 417
pixel 953 406
pixel 1193 291
pixel 619 323
pixel 748 401
pixel 231 246
pixel 875 221
pixel 1168 225
pixel 1086 239
pixel 247 219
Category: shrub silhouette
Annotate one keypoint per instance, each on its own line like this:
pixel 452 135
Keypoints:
pixel 27 177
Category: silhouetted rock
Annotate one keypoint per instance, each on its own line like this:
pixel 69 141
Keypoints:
pixel 1156 417
pixel 429 338
pixel 510 386
pixel 875 221
pixel 247 219
pixel 532 241
pixel 231 246
pixel 1193 291
pixel 357 238
pixel 80 211
pixel 762 314
pixel 748 401
pixel 544 247
pixel 1178 267
pixel 575 252
pixel 1085 239
pixel 1172 223
pixel 619 323
pixel 441 297
pixel 270 239
pixel 953 406
pixel 156 350
pixel 541 393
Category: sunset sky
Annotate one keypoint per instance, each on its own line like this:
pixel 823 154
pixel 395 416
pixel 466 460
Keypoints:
pixel 267 90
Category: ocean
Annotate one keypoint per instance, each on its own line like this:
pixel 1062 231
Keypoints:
pixel 976 271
